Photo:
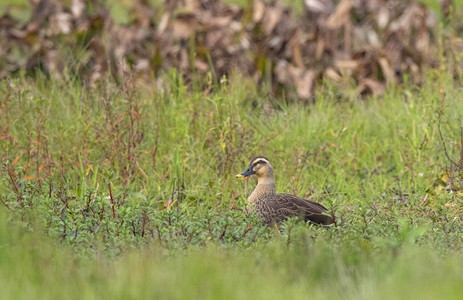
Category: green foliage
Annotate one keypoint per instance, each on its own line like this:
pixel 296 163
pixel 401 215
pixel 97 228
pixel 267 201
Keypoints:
pixel 32 266
pixel 129 191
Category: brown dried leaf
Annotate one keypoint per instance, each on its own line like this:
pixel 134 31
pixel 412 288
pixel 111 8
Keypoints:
pixel 332 74
pixel 184 26
pixel 341 15
pixel 349 64
pixel 319 6
pixel 387 70
pixel 78 8
pixel 271 18
pixel 163 23
pixel 369 86
pixel 371 42
pixel 304 80
pixel 258 11
pixel 282 72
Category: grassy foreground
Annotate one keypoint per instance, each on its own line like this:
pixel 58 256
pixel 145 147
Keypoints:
pixel 130 192
pixel 36 268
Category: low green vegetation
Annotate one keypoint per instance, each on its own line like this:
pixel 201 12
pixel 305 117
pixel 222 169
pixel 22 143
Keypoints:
pixel 129 192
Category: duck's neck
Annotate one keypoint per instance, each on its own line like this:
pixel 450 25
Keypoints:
pixel 265 185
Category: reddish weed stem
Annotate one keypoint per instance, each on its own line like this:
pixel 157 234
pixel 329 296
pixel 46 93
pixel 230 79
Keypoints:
pixel 111 198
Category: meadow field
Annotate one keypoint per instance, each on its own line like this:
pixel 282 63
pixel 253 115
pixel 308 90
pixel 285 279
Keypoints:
pixel 127 190
pixel 136 196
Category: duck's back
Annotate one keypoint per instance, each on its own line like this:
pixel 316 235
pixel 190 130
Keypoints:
pixel 275 208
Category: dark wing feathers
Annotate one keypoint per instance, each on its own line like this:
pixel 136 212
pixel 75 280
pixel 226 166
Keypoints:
pixel 278 207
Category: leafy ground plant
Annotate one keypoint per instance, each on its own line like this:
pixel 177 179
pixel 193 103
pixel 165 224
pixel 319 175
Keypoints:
pixel 125 191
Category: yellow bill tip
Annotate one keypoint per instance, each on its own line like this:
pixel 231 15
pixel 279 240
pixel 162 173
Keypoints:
pixel 239 176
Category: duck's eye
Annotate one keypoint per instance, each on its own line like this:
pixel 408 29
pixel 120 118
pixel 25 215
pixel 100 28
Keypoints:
pixel 260 162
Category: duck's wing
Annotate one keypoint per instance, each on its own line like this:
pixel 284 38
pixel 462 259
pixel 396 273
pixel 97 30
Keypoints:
pixel 283 206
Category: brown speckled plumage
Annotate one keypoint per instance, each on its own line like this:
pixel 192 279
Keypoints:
pixel 274 208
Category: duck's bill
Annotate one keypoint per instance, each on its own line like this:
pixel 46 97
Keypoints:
pixel 246 173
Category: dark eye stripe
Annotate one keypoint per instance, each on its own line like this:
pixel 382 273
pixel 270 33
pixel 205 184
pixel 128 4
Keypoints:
pixel 259 162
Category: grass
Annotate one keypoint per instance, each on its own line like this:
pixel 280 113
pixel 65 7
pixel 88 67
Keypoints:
pixel 129 191
pixel 272 270
pixel 125 192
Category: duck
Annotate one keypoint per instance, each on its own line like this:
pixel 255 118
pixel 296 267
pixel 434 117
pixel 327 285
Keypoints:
pixel 275 208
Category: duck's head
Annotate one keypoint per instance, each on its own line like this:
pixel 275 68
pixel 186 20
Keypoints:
pixel 260 166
